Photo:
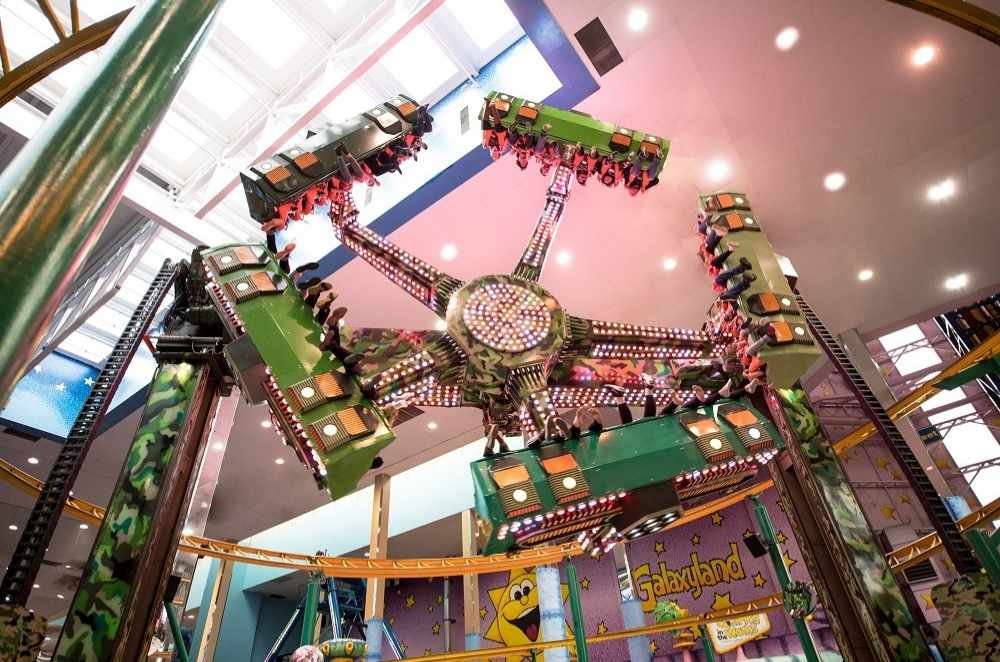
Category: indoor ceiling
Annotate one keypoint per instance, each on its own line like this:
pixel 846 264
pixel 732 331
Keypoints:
pixel 741 114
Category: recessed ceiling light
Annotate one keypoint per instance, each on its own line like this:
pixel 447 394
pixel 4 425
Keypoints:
pixel 834 181
pixel 865 274
pixel 449 252
pixel 637 19
pixel 957 282
pixel 786 38
pixel 60 596
pixel 441 325
pixel 941 191
pixel 35 586
pixel 669 263
pixel 12 527
pixel 187 531
pixel 68 566
pixel 431 425
pixel 279 460
pixel 923 55
pixel 84 526
pixel 563 258
pixel 265 424
pixel 32 460
pixel 218 446
pixel 717 170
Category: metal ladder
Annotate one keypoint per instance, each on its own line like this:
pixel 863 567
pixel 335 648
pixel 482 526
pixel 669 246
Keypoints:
pixel 955 545
pixel 30 550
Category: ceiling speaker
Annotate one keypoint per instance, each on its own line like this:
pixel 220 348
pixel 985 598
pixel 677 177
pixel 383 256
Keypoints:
pixel 596 43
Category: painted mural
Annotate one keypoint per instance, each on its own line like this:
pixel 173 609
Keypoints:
pixel 515 611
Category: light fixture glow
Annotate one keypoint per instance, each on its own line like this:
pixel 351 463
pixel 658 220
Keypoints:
pixel 35 586
pixel 637 19
pixel 32 460
pixel 669 263
pixel 865 274
pixel 941 191
pixel 957 282
pixel 431 425
pixel 519 495
pixel 569 482
pixel 834 181
pixel 84 526
pixel 441 325
pixel 265 424
pixel 786 38
pixel 563 258
pixel 187 531
pixel 60 596
pixel 218 446
pixel 279 460
pixel 12 527
pixel 449 252
pixel 717 170
pixel 922 56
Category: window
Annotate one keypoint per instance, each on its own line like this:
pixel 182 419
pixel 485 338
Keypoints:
pixel 486 21
pixel 177 139
pixel 419 64
pixel 916 360
pixel 215 87
pixel 266 29
pixel 905 336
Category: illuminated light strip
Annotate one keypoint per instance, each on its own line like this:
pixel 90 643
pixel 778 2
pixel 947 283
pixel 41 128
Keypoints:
pixel 228 309
pixel 601 328
pixel 561 515
pixel 569 396
pixel 628 351
pixel 412 365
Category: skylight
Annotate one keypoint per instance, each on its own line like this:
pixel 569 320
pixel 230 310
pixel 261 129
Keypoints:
pixel 348 103
pixel 905 336
pixel 26 31
pixel 259 27
pixel 486 21
pixel 916 360
pixel 419 64
pixel 178 139
pixel 215 88
pixel 945 397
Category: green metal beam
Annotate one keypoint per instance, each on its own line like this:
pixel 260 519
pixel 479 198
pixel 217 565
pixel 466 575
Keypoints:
pixel 579 633
pixel 58 193
pixel 706 644
pixel 309 611
pixel 175 631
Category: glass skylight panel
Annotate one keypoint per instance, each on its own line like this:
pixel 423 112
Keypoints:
pixel 952 414
pixel 353 100
pixel 419 63
pixel 486 21
pixel 26 32
pixel 98 9
pixel 109 320
pixel 916 360
pixel 905 336
pixel 86 347
pixel 986 485
pixel 970 442
pixel 215 87
pixel 266 28
pixel 945 397
pixel 177 139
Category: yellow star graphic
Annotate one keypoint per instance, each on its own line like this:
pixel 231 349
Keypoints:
pixel 436 628
pixel 602 628
pixel 904 499
pixel 585 583
pixel 781 537
pixel 747 533
pixel 659 547
pixel 696 539
pixel 653 647
pixel 896 475
pixel 440 599
pixel 717 518
pixel 758 580
pixel 942 463
pixel 928 601
pixel 428 651
pixel 482 613
pixel 789 561
pixel 881 462
pixel 430 610
pixel 409 601
pixel 888 511
pixel 722 600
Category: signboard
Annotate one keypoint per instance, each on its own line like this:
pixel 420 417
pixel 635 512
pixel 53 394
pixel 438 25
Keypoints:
pixel 930 434
pixel 731 634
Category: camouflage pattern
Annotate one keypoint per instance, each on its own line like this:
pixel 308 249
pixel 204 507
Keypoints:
pixel 21 634
pixel 384 348
pixel 95 619
pixel 970 619
pixel 890 625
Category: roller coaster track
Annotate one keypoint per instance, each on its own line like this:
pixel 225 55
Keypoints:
pixel 349 568
pixel 965 15
pixel 69 46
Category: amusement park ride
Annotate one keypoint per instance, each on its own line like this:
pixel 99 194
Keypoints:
pixel 720 403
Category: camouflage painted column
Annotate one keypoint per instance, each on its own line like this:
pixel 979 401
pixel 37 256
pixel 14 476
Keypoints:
pixel 861 567
pixel 120 593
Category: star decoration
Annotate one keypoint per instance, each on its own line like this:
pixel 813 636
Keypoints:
pixel 440 599
pixel 717 518
pixel 409 601
pixel 904 499
pixel 430 609
pixel 659 547
pixel 888 511
pixel 781 537
pixel 722 600
pixel 436 628
pixel 585 583
pixel 428 651
pixel 896 475
pixel 781 506
pixel 392 620
pixel 88 381
pixel 696 539
pixel 653 647
pixel 881 462
pixel 599 555
pixel 789 561
pixel 60 387
pixel 928 601
pixel 602 628
pixel 942 463
pixel 482 613
pixel 758 580
pixel 747 533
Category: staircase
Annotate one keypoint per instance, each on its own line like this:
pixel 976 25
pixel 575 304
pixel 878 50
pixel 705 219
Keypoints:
pixel 955 545
pixel 27 557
